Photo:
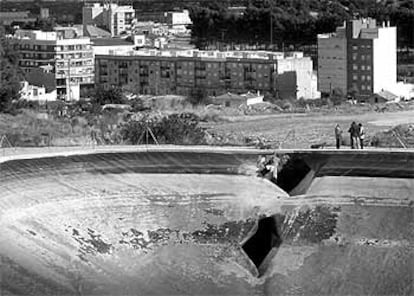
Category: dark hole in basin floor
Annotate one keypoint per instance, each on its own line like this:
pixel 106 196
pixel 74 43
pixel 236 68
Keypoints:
pixel 294 169
pixel 263 241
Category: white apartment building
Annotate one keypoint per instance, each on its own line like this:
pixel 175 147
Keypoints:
pixel 71 59
pixel 177 18
pixel 359 58
pixel 117 19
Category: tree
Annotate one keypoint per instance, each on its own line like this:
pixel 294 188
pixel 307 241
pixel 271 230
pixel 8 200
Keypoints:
pixel 292 22
pixel 337 96
pixel 10 73
pixel 110 96
pixel 176 129
pixel 197 96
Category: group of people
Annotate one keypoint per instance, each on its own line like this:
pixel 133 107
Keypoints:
pixel 356 133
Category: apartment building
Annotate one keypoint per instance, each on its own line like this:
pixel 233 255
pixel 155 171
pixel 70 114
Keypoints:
pixel 117 19
pixel 359 58
pixel 179 72
pixel 70 59
pixel 178 18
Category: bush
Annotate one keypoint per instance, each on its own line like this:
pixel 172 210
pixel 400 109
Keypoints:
pixel 198 96
pixel 180 129
pixel 110 96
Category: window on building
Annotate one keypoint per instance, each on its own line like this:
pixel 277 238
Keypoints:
pixel 363 67
pixel 355 67
pixel 354 77
pixel 362 57
pixel 369 68
pixel 369 77
pixel 362 86
pixel 363 77
pixel 354 47
pixel 354 56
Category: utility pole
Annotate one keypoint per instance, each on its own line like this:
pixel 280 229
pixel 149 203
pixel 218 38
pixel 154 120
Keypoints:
pixel 68 88
pixel 271 23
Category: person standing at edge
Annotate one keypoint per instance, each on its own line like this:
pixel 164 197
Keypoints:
pixel 355 135
pixel 351 131
pixel 338 136
pixel 361 134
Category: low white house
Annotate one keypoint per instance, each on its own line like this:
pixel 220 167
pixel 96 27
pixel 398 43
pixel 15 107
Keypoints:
pixel 36 93
pixel 253 98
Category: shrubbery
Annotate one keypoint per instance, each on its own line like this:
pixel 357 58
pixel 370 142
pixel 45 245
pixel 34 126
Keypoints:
pixel 180 129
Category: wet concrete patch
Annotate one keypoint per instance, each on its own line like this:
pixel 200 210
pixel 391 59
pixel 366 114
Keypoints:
pixel 92 245
pixel 311 224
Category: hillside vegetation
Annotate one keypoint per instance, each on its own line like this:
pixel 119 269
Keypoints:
pixel 294 22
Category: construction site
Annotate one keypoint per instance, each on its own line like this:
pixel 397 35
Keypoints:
pixel 198 220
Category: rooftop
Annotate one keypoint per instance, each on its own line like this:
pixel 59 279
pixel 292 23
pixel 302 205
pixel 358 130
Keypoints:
pixel 365 28
pixel 261 55
pixel 47 36
pixel 110 41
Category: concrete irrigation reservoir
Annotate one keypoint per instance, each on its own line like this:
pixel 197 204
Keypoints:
pixel 191 221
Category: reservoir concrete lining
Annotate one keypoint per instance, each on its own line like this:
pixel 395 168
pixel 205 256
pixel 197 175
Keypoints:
pixel 197 221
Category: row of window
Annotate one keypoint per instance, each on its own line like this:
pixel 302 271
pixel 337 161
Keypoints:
pixel 63 81
pixel 103 78
pixel 362 87
pixel 361 46
pixel 39 56
pixel 185 64
pixel 361 67
pixel 73 47
pixel 37 47
pixel 362 77
pixel 32 63
pixel 79 72
pixel 362 57
pixel 85 55
pixel 65 64
pixel 53 48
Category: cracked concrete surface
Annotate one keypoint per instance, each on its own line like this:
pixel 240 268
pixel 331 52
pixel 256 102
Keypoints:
pixel 140 223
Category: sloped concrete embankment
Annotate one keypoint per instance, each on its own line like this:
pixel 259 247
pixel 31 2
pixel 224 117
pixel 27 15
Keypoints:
pixel 348 228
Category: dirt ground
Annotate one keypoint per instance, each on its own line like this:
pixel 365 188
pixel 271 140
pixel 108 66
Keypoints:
pixel 284 130
pixel 303 130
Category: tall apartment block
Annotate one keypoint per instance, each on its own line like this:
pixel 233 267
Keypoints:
pixel 360 57
pixel 117 19
pixel 70 58
pixel 288 75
